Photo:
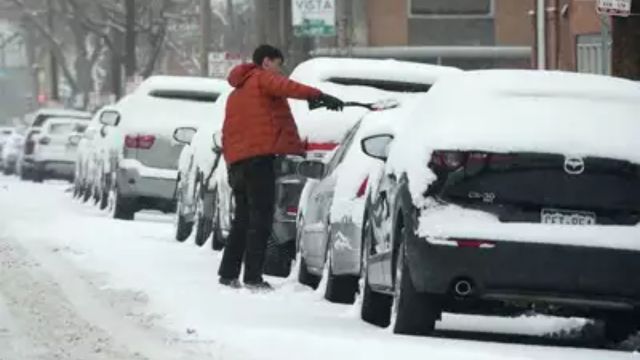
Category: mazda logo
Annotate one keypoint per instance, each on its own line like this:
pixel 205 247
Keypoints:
pixel 574 165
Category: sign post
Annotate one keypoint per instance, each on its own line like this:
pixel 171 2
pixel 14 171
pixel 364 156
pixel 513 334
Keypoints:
pixel 314 18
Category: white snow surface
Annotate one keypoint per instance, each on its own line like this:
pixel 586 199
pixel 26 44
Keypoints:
pixel 176 294
pixel 517 110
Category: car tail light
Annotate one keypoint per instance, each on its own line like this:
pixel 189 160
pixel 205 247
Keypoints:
pixel 292 210
pixel 363 188
pixel 449 159
pixel 44 140
pixel 139 141
pixel 474 243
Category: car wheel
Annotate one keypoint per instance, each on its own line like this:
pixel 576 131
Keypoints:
pixel 120 207
pixel 375 307
pixel 620 326
pixel 204 220
pixel 183 227
pixel 340 289
pixel 305 277
pixel 414 313
pixel 279 257
pixel 218 240
pixel 38 176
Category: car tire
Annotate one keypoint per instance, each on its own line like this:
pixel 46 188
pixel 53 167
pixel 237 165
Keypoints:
pixel 204 220
pixel 218 241
pixel 121 208
pixel 38 176
pixel 341 289
pixel 279 257
pixel 620 326
pixel 414 313
pixel 305 277
pixel 375 308
pixel 183 228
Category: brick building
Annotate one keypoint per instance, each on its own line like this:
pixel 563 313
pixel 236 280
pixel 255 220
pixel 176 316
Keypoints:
pixel 573 39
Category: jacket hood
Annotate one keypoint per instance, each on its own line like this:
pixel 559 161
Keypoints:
pixel 241 73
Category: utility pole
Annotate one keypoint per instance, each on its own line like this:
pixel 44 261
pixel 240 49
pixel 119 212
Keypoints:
pixel 53 62
pixel 541 34
pixel 625 52
pixel 130 39
pixel 205 24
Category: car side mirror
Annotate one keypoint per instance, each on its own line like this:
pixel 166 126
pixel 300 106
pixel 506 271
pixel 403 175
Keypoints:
pixel 217 142
pixel 184 135
pixel 75 139
pixel 110 118
pixel 377 146
pixel 311 169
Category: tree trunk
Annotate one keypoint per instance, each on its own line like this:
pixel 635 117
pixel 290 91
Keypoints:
pixel 626 44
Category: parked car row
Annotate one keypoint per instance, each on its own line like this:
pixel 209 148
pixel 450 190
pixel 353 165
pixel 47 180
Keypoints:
pixel 486 192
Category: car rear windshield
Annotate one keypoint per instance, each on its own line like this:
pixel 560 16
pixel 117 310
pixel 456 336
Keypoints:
pixel 386 85
pixel 201 96
pixel 61 128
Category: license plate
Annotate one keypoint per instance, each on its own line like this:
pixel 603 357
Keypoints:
pixel 567 217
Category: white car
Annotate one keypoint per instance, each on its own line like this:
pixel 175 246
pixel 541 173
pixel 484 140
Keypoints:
pixel 138 156
pixel 504 192
pixel 5 134
pixel 349 79
pixel 87 171
pixel 25 164
pixel 55 149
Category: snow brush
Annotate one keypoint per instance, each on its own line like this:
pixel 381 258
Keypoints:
pixel 382 105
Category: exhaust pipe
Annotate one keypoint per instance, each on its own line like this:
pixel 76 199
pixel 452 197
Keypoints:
pixel 463 288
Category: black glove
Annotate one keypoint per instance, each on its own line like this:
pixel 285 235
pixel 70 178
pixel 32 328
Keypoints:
pixel 331 103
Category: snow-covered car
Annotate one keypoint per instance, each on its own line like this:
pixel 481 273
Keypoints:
pixel 56 147
pixel 504 192
pixel 5 134
pixel 11 151
pixel 86 180
pixel 138 154
pixel 39 118
pixel 332 206
pixel 199 190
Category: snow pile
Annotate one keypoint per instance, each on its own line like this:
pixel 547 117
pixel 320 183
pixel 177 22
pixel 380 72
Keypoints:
pixel 516 110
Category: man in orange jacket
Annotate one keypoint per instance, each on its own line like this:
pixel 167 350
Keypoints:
pixel 258 126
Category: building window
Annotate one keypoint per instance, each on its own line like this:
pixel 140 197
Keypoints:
pixel 451 8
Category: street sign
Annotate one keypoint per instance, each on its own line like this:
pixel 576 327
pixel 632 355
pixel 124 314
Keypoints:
pixel 221 63
pixel 315 18
pixel 614 7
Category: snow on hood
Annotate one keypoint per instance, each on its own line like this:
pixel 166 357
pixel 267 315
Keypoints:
pixel 518 110
pixel 241 73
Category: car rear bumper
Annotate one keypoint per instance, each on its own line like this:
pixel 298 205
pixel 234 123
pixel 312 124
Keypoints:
pixel 526 273
pixel 137 180
pixel 64 169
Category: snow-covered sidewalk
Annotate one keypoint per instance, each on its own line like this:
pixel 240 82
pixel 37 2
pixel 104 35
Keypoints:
pixel 159 299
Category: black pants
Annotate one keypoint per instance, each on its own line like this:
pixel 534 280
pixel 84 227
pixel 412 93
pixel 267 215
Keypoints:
pixel 253 184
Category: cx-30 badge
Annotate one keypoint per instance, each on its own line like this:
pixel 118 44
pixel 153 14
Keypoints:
pixel 574 165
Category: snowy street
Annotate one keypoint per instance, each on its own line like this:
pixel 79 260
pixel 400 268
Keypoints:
pixel 75 284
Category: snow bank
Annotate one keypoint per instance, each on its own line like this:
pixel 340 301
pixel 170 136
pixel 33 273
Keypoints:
pixel 518 110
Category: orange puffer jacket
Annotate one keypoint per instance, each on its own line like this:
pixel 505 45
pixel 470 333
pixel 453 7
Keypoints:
pixel 258 119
